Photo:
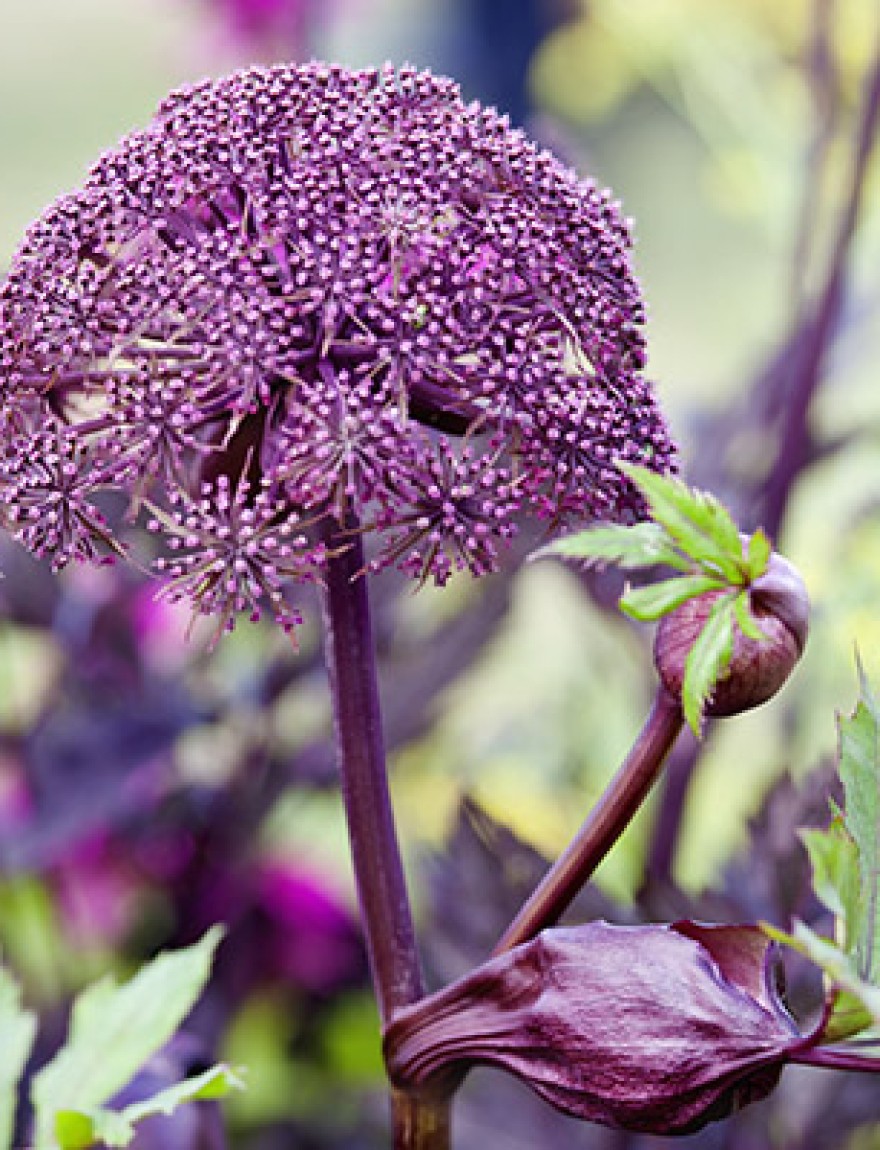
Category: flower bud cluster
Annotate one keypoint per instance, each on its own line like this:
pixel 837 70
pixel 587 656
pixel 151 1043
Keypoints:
pixel 354 296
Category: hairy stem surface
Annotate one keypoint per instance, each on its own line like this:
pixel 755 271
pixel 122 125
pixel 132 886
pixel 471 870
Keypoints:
pixel 603 826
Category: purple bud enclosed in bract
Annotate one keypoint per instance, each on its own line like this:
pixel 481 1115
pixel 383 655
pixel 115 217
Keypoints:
pixel 780 606
pixel 651 1028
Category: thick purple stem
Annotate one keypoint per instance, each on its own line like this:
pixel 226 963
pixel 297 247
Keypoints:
pixel 418 1124
pixel 603 826
pixel 665 833
pixel 378 868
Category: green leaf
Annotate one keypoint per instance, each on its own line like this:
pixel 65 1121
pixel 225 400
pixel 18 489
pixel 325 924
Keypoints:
pixel 76 1129
pixel 651 602
pixel 838 967
pixel 848 1017
pixel 707 660
pixel 642 545
pixel 73 1131
pixel 845 861
pixel 18 1028
pixel 695 520
pixel 114 1030
pixel 746 620
pixel 834 858
pixel 860 774
pixel 758 556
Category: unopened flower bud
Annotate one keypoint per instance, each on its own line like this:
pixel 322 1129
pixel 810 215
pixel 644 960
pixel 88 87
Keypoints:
pixel 650 1028
pixel 758 667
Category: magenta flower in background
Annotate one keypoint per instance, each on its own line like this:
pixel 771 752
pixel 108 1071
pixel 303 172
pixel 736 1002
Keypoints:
pixel 310 938
pixel 268 29
pixel 305 299
pixel 98 892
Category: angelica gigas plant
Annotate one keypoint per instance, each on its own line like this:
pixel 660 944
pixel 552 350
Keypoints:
pixel 312 323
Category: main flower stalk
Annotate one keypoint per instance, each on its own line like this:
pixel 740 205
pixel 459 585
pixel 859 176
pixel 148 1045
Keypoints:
pixel 360 744
pixel 381 884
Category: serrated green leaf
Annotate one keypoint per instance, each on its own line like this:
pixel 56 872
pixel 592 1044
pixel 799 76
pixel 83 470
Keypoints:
pixel 707 660
pixel 758 554
pixel 114 1030
pixel 698 524
pixel 76 1129
pixel 641 545
pixel 834 858
pixel 18 1028
pixel 844 861
pixel 110 1128
pixel 745 619
pixel 647 603
pixel 860 774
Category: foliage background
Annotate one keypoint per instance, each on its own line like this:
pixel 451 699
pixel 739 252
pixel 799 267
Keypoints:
pixel 727 129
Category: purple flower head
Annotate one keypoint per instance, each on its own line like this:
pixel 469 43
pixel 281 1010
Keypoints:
pixel 310 294
pixel 650 1028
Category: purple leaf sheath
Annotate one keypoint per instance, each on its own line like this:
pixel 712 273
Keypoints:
pixel 648 1028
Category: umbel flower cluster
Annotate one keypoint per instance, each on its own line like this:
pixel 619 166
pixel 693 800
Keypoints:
pixel 308 295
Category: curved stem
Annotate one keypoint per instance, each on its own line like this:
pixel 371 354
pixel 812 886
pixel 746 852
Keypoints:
pixel 602 827
pixel 357 717
pixel 814 340
pixel 666 831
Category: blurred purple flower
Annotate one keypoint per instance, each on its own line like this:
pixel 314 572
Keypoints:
pixel 16 802
pixel 287 925
pixel 159 631
pixel 307 293
pixel 652 1028
pixel 268 30
pixel 312 940
pixel 98 892
pixel 294 928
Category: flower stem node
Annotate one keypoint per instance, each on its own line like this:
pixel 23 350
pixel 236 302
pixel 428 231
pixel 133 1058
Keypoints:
pixel 759 663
